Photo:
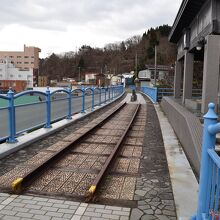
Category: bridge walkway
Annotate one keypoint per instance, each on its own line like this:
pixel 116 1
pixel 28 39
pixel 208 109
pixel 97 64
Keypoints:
pixel 152 197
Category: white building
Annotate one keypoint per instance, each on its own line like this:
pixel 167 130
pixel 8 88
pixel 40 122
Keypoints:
pixel 144 74
pixel 9 72
pixel 115 80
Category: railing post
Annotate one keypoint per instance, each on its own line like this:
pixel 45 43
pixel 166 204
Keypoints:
pixel 112 92
pixel 155 94
pixel 210 118
pixel 69 96
pixel 12 124
pixel 93 97
pixel 105 93
pixel 83 100
pixel 109 93
pixel 100 96
pixel 48 103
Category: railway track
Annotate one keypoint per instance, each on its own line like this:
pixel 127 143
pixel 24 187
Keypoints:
pixel 96 161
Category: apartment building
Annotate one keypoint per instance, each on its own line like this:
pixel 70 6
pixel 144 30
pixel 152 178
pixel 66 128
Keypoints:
pixel 18 79
pixel 24 60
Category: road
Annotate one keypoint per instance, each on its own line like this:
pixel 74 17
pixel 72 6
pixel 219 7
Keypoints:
pixel 33 115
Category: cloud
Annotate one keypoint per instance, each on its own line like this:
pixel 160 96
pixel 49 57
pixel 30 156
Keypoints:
pixel 80 21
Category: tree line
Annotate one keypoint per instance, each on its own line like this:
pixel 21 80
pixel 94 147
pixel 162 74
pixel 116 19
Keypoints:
pixel 115 58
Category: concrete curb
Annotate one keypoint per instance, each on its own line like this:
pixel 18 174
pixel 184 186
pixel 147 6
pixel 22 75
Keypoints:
pixel 184 183
pixel 23 141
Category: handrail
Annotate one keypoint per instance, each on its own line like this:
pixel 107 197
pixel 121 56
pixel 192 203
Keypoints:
pixel 4 97
pixel 29 92
pixel 59 90
pixel 209 180
pixel 12 108
pixel 78 89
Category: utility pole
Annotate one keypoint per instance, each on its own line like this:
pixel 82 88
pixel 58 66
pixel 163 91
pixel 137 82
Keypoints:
pixel 136 60
pixel 155 70
pixel 79 75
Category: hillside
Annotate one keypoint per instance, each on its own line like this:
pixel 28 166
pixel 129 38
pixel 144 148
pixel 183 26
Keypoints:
pixel 115 58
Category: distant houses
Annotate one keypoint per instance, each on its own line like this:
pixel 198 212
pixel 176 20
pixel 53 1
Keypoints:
pixel 147 76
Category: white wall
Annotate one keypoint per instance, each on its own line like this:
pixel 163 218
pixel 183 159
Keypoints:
pixel 90 77
pixel 115 80
pixel 9 72
pixel 144 74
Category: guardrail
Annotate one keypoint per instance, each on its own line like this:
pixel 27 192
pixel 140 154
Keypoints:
pixel 161 92
pixel 209 183
pixel 52 106
pixel 150 92
pixel 156 94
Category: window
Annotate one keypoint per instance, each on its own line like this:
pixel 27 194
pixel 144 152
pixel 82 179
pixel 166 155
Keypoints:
pixel 19 62
pixel 0 70
pixel 26 56
pixel 26 62
pixel 11 56
pixel 11 75
pixel 32 56
pixel 18 56
pixel 1 75
pixel 32 62
pixel 19 76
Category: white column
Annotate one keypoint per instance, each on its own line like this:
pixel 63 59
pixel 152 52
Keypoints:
pixel 188 75
pixel 210 71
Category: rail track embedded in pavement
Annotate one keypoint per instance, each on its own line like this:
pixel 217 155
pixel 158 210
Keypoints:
pixel 89 163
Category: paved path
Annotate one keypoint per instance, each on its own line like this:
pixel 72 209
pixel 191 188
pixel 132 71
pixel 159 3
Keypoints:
pixel 153 193
pixel 13 207
pixel 153 189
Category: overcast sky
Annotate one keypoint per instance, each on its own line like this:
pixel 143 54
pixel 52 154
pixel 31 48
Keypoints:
pixel 64 25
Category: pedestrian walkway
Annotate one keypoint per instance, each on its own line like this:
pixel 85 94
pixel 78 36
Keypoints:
pixel 153 196
pixel 14 207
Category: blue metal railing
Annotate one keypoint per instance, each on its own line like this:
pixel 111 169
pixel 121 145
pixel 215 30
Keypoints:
pixel 161 92
pixel 156 94
pixel 150 92
pixel 209 183
pixel 50 109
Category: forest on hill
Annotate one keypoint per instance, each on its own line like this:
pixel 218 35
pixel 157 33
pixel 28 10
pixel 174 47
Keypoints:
pixel 115 58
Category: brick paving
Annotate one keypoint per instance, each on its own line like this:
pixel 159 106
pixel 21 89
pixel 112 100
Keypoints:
pixel 153 193
pixel 14 207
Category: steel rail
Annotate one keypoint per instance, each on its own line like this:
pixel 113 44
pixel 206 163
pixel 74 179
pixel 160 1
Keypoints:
pixel 110 160
pixel 21 182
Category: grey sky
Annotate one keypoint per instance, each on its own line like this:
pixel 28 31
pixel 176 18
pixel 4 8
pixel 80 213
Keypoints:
pixel 62 25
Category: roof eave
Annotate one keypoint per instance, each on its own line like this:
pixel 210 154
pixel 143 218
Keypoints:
pixel 171 37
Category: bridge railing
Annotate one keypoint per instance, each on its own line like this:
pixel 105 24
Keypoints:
pixel 156 94
pixel 150 92
pixel 17 118
pixel 209 183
